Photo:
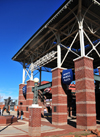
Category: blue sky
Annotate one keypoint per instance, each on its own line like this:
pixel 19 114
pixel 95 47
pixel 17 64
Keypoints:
pixel 19 20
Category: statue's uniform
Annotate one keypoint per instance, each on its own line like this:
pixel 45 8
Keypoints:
pixel 7 102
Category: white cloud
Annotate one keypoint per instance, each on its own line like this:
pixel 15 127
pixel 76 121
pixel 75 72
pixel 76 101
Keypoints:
pixel 5 93
pixel 5 96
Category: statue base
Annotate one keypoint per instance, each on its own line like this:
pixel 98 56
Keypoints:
pixel 7 119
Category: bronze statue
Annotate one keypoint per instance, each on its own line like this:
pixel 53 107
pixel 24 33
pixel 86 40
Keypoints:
pixel 7 102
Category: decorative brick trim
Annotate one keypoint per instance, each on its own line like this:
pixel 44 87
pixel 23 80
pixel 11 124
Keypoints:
pixel 56 86
pixel 29 86
pixel 86 127
pixel 35 106
pixel 26 118
pixel 27 111
pixel 55 123
pixel 87 115
pixel 82 68
pixel 29 93
pixel 58 104
pixel 85 102
pixel 22 105
pixel 81 79
pixel 29 99
pixel 56 95
pixel 59 113
pixel 21 95
pixel 85 90
pixel 20 89
pixel 22 100
pixel 56 77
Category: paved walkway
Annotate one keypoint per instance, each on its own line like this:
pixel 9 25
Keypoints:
pixel 20 128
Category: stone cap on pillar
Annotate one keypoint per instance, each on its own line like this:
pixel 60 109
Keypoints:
pixel 22 84
pixel 83 57
pixel 30 80
pixel 58 68
pixel 35 106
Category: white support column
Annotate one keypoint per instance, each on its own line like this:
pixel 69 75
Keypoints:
pixel 81 37
pixel 58 52
pixel 80 23
pixel 40 76
pixel 31 72
pixel 23 81
pixel 32 68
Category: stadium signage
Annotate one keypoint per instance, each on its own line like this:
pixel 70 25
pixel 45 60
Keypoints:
pixel 67 76
pixel 44 60
pixel 24 89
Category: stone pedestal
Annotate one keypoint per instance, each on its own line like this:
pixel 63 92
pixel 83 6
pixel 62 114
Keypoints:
pixel 85 93
pixel 5 120
pixel 34 121
pixel 59 99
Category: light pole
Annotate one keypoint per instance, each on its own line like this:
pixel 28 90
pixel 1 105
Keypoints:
pixel 35 99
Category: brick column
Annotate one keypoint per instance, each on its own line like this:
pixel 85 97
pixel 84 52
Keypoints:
pixel 85 93
pixel 59 99
pixel 34 121
pixel 22 100
pixel 29 97
pixel 99 69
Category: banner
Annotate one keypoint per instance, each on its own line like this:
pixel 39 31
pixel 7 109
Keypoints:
pixel 67 76
pixel 24 89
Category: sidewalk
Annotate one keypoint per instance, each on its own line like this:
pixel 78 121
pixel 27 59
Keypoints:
pixel 20 128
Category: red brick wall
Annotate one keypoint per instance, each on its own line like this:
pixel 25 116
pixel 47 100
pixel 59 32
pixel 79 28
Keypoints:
pixel 34 122
pixel 59 99
pixel 21 99
pixel 85 94
pixel 29 97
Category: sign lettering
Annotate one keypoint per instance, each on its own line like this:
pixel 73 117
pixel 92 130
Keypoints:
pixel 44 60
pixel 67 76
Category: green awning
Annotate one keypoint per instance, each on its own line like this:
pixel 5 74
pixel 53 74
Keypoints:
pixel 42 86
pixel 97 77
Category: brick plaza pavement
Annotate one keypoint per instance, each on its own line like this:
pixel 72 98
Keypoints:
pixel 20 128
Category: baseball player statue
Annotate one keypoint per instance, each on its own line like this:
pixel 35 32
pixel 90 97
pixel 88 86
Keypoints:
pixel 7 102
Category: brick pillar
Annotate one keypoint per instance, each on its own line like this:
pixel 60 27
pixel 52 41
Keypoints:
pixel 34 129
pixel 29 97
pixel 59 99
pixel 85 93
pixel 99 69
pixel 22 100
